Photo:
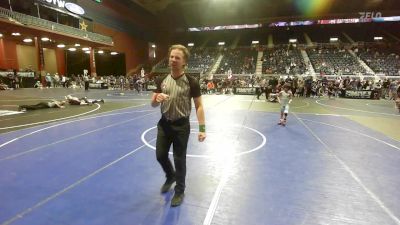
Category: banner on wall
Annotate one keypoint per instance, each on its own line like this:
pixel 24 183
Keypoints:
pixel 244 91
pixel 359 94
pixel 41 56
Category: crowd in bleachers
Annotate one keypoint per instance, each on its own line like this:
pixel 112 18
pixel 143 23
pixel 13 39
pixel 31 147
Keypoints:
pixel 201 59
pixel 380 59
pixel 239 61
pixel 333 60
pixel 288 60
pixel 283 60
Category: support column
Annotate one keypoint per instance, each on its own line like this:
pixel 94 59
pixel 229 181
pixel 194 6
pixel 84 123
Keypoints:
pixel 40 60
pixel 92 60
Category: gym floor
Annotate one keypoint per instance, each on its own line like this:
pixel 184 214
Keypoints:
pixel 336 162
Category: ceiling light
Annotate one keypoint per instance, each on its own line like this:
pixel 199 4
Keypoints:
pixel 72 49
pixel 27 40
pixel 190 44
pixel 77 45
pixel 153 46
pixel 61 45
pixel 86 49
pixel 378 38
pixel 15 34
pixel 333 39
pixel 100 52
pixel 88 52
pixel 74 8
pixel 45 39
pixel 1 35
pixel 114 53
pixel 221 43
pixel 292 40
pixel 255 42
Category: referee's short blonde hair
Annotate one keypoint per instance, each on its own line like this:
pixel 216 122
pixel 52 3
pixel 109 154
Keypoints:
pixel 186 53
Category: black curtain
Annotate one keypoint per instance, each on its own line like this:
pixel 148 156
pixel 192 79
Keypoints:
pixel 107 64
pixel 76 62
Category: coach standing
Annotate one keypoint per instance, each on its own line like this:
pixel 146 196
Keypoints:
pixel 174 92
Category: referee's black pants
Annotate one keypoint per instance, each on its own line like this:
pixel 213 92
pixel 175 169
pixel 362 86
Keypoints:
pixel 175 133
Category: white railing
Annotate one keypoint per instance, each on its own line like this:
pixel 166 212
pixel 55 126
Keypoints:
pixel 31 21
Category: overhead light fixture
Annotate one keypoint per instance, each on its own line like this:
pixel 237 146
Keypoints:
pixel 100 52
pixel 221 43
pixel 74 8
pixel 293 40
pixel 86 49
pixel 77 45
pixel 333 39
pixel 378 38
pixel 153 46
pixel 190 44
pixel 61 45
pixel 45 39
pixel 15 34
pixel 255 42
pixel 1 35
pixel 88 52
pixel 72 49
pixel 27 40
pixel 114 53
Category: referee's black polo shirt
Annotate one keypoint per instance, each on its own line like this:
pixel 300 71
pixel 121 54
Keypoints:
pixel 180 91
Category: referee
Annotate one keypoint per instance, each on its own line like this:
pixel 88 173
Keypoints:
pixel 174 93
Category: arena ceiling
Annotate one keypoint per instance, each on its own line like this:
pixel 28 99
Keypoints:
pixel 189 13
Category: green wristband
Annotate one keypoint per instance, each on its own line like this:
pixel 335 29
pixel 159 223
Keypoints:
pixel 202 128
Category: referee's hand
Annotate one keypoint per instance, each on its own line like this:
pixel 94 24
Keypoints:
pixel 162 97
pixel 202 136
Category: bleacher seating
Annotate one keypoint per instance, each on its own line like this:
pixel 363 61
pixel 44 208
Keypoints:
pixel 283 60
pixel 325 59
pixel 201 59
pixel 381 60
pixel 331 60
pixel 239 60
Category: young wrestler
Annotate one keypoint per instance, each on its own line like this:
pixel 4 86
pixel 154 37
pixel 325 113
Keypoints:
pixel 285 97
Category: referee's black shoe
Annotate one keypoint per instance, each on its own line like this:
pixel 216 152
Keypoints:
pixel 177 199
pixel 167 185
